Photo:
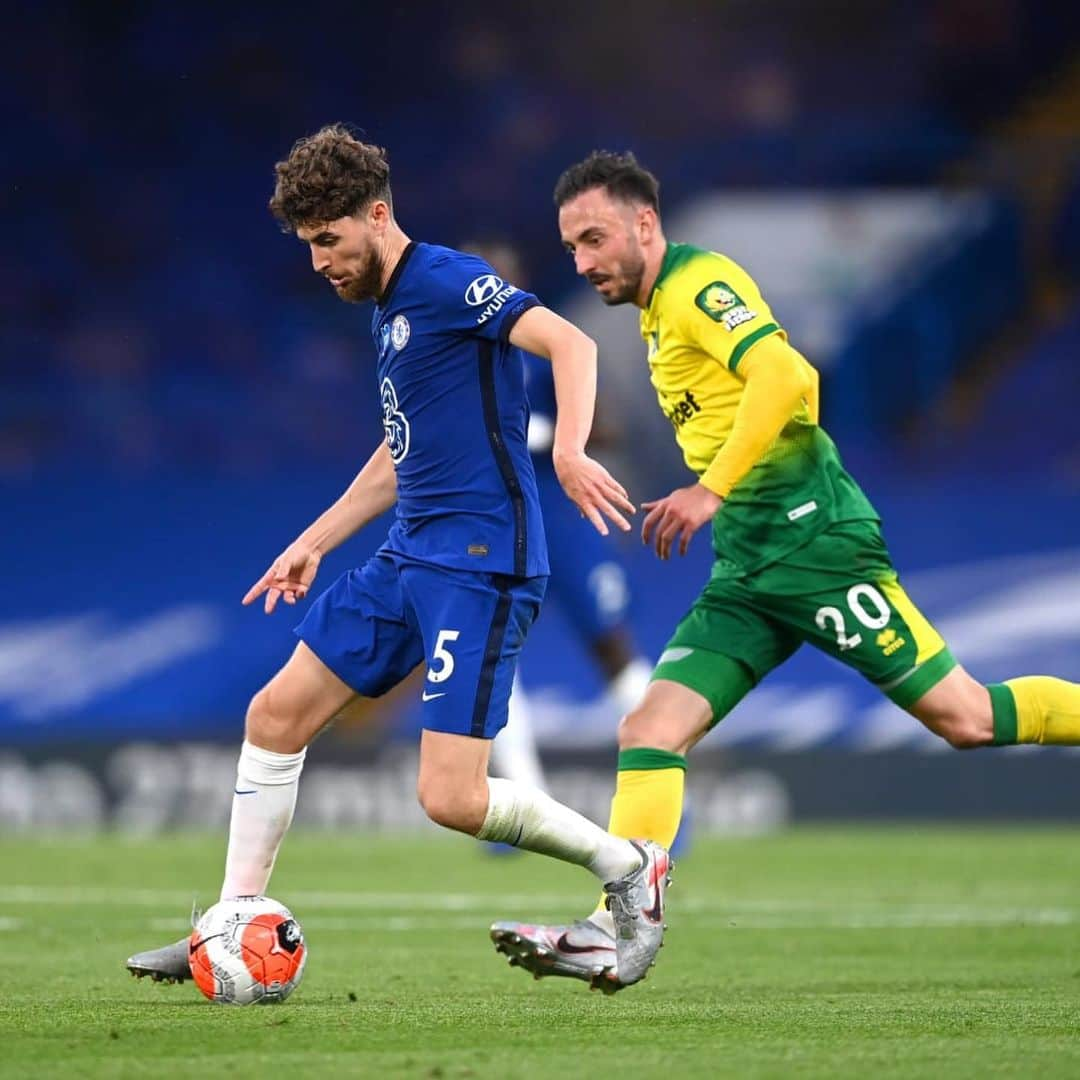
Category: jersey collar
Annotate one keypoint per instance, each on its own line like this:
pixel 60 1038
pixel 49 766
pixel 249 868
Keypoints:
pixel 383 300
pixel 674 256
pixel 665 268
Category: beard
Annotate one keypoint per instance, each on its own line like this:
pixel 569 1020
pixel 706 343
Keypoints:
pixel 364 284
pixel 625 282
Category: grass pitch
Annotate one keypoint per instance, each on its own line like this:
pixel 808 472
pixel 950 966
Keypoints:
pixel 844 952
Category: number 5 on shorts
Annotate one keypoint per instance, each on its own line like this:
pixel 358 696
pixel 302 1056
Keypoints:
pixel 441 654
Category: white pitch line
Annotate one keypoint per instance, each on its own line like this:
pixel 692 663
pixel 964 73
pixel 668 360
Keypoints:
pixel 361 922
pixel 744 913
pixel 428 901
pixel 897 920
pixel 10 924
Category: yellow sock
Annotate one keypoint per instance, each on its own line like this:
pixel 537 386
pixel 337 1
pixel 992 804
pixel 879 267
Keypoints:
pixel 1047 710
pixel 648 800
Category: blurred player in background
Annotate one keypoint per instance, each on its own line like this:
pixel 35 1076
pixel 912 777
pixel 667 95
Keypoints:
pixel 461 575
pixel 799 551
pixel 588 581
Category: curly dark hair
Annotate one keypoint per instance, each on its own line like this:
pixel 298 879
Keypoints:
pixel 328 175
pixel 620 175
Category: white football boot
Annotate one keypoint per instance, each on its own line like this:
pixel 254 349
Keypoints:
pixel 636 903
pixel 582 950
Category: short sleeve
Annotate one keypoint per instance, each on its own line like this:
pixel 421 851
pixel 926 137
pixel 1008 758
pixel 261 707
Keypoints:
pixel 724 313
pixel 472 299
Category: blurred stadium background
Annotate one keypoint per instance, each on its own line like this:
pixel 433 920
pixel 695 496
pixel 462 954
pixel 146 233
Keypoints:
pixel 179 394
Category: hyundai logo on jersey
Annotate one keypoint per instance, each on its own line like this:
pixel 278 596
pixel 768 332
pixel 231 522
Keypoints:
pixel 482 289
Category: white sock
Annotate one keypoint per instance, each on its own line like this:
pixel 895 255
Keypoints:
pixel 529 819
pixel 262 809
pixel 628 687
pixel 513 753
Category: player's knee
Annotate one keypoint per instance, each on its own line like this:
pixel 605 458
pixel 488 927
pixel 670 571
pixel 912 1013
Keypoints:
pixel 452 806
pixel 644 728
pixel 965 731
pixel 269 728
pixel 964 726
pixel 958 710
pixel 962 716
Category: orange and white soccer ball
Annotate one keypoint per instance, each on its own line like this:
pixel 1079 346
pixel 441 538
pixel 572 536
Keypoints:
pixel 247 951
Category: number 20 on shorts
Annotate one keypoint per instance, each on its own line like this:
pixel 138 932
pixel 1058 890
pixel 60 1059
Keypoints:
pixel 859 599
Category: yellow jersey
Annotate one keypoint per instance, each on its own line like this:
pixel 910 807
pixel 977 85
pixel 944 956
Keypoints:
pixel 703 315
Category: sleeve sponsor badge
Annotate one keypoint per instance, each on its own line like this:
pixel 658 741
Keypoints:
pixel 724 305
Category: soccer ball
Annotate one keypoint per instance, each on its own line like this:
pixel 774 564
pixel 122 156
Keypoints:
pixel 247 951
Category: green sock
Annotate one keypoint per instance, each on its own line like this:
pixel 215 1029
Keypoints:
pixel 1003 705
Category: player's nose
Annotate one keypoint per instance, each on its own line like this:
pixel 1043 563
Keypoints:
pixel 320 261
pixel 583 262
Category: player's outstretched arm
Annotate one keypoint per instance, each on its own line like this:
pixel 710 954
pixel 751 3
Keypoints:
pixel 373 491
pixel 595 492
pixel 777 380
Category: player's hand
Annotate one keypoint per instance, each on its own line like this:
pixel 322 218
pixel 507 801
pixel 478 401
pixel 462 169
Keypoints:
pixel 593 490
pixel 679 514
pixel 289 577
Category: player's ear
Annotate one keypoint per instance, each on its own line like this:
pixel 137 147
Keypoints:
pixel 646 224
pixel 378 214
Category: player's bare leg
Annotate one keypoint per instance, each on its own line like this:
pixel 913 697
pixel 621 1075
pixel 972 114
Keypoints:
pixel 1030 709
pixel 282 719
pixel 959 710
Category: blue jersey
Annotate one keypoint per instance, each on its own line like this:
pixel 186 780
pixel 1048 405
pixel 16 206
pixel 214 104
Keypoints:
pixel 455 414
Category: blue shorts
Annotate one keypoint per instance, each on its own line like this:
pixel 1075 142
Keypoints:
pixel 375 624
pixel 588 582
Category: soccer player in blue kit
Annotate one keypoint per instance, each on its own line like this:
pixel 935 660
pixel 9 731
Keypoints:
pixel 462 573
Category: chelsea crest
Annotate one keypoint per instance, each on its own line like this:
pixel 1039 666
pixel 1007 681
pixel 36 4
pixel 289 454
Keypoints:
pixel 399 332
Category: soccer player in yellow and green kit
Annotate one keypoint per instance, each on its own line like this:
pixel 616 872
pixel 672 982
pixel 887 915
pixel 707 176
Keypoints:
pixel 799 555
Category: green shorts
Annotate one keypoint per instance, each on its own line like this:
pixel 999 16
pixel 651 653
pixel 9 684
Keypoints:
pixel 839 592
